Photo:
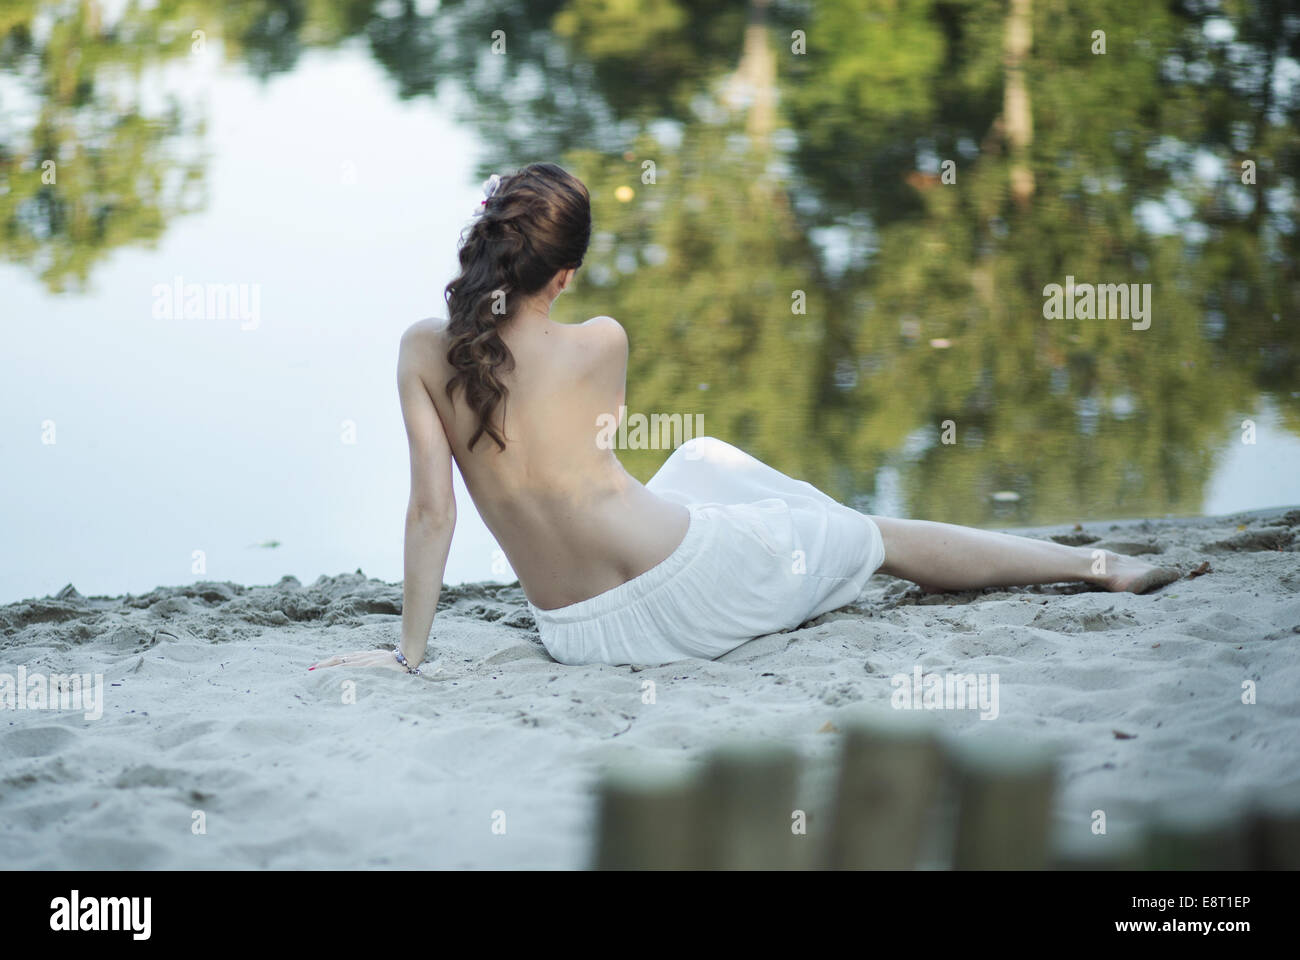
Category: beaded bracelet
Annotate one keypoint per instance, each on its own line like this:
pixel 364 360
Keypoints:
pixel 397 652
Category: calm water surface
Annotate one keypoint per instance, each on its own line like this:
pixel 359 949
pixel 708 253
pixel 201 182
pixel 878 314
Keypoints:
pixel 834 258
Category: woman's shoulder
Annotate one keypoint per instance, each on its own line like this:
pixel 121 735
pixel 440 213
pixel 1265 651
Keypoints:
pixel 429 328
pixel 423 345
pixel 424 335
pixel 606 329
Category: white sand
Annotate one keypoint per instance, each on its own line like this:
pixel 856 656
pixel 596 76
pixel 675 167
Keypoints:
pixel 209 707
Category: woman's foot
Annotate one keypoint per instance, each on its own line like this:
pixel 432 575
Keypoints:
pixel 1131 575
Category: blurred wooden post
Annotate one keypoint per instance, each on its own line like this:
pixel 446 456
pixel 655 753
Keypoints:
pixel 1275 831
pixel 644 818
pixel 1005 791
pixel 891 768
pixel 1199 833
pixel 746 805
pixel 1088 851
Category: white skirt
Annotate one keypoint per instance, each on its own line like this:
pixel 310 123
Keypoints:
pixel 763 553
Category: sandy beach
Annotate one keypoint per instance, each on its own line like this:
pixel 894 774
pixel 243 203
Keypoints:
pixel 216 748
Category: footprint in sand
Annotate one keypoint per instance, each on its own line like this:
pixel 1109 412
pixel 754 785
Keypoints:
pixel 35 741
pixel 1273 538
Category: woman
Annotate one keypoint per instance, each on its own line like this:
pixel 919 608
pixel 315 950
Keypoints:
pixel 716 549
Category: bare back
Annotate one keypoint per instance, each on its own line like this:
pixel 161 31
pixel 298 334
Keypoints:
pixel 571 520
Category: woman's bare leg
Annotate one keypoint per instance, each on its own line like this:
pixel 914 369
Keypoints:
pixel 944 556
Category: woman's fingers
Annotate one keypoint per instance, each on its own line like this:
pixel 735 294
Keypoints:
pixel 362 658
pixel 335 661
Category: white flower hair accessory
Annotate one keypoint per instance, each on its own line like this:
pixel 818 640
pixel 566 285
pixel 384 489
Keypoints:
pixel 490 187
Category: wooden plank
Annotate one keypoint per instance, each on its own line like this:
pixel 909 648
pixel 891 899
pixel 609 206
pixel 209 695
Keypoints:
pixel 891 770
pixel 645 813
pixel 746 807
pixel 1005 790
pixel 1197 833
pixel 1275 831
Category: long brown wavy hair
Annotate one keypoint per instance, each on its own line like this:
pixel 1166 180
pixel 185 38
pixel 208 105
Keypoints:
pixel 537 223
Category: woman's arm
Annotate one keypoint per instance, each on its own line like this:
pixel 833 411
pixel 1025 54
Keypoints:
pixel 430 515
pixel 431 510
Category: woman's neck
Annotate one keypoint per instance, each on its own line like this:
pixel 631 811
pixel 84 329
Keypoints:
pixel 533 311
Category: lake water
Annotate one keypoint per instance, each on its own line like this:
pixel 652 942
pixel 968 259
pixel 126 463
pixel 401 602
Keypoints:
pixel 836 259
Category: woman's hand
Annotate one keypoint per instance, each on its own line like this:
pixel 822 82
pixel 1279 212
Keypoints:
pixel 383 659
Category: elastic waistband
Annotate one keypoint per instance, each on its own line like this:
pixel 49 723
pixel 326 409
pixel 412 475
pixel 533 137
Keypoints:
pixel 639 587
